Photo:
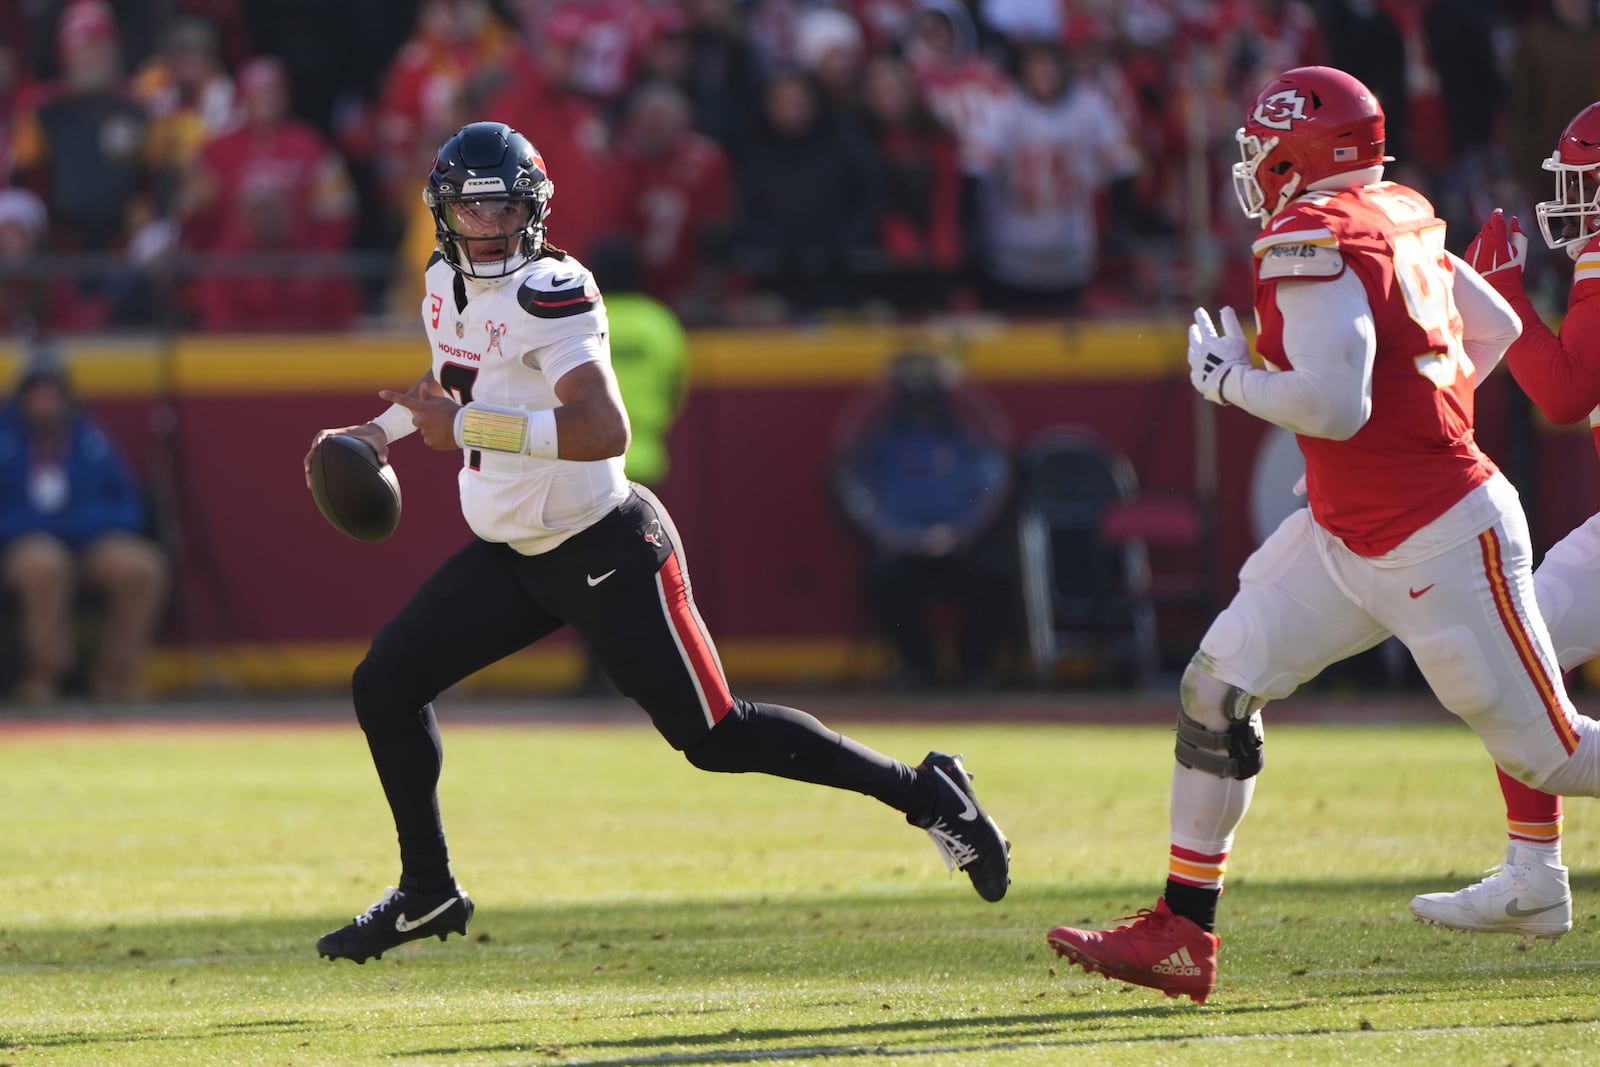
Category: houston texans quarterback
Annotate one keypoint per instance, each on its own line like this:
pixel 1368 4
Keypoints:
pixel 521 385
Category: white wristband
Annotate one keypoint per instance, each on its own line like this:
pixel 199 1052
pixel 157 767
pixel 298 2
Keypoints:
pixel 511 430
pixel 395 423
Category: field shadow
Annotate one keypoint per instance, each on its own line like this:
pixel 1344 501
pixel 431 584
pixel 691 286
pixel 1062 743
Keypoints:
pixel 921 923
pixel 973 1033
pixel 1039 1030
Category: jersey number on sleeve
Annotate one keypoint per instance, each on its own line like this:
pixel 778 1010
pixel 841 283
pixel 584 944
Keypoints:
pixel 1422 270
pixel 456 379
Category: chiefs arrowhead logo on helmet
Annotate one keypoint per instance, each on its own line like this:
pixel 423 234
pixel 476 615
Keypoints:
pixel 1281 109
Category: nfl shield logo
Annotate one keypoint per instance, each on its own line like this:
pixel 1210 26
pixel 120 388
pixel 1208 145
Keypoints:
pixel 461 330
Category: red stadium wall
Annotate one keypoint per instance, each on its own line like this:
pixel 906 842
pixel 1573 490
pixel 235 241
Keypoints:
pixel 270 596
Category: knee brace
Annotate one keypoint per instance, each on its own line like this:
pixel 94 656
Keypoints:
pixel 1233 752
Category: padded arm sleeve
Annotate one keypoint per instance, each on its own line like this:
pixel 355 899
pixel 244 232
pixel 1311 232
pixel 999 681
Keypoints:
pixel 1329 338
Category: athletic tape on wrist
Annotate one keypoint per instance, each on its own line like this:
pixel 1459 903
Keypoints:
pixel 395 423
pixel 511 430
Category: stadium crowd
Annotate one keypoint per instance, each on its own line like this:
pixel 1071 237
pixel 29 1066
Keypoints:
pixel 255 164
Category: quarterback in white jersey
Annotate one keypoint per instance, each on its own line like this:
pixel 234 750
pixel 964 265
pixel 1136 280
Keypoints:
pixel 506 342
pixel 521 384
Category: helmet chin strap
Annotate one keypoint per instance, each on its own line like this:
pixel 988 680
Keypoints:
pixel 1290 190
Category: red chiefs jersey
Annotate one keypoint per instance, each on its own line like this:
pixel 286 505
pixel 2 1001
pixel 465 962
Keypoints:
pixel 1560 373
pixel 671 203
pixel 1417 454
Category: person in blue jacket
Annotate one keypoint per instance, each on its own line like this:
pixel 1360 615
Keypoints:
pixel 70 515
pixel 922 478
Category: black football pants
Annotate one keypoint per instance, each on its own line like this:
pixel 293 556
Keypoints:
pixel 624 586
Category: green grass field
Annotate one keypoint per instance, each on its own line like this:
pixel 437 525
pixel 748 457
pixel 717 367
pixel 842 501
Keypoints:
pixel 163 889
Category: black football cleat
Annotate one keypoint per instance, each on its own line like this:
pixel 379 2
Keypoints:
pixel 402 915
pixel 965 835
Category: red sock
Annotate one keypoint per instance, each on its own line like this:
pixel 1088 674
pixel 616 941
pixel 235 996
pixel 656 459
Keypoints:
pixel 1532 818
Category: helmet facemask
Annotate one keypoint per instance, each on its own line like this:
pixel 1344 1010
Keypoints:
pixel 488 234
pixel 1573 216
pixel 1247 185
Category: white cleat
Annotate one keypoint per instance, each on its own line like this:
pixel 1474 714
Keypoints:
pixel 1522 896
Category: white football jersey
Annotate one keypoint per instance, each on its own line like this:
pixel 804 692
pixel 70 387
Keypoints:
pixel 1042 166
pixel 507 342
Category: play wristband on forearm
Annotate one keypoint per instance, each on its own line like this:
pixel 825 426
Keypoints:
pixel 512 430
pixel 395 423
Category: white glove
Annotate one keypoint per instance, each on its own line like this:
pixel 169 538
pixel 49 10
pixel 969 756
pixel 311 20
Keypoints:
pixel 1213 356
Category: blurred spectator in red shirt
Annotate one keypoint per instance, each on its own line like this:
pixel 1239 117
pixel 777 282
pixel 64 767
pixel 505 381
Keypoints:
pixel 83 144
pixel 810 201
pixel 187 94
pixel 273 191
pixel 541 101
pixel 607 38
pixel 459 47
pixel 679 201
pixel 919 233
pixel 34 299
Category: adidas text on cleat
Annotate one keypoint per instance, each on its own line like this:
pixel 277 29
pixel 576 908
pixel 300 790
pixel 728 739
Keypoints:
pixel 402 915
pixel 1159 950
pixel 1522 896
pixel 965 835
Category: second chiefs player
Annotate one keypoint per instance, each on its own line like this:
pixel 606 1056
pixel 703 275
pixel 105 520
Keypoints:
pixel 1374 337
pixel 521 385
pixel 1529 894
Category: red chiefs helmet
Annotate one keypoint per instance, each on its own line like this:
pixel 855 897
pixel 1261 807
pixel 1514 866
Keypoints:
pixel 1307 124
pixel 1574 215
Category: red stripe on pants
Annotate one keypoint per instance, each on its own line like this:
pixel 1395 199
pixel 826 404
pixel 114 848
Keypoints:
pixel 695 641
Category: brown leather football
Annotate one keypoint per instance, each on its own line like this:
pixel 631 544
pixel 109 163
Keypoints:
pixel 358 495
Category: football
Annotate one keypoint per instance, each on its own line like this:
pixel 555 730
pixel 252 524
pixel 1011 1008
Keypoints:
pixel 354 492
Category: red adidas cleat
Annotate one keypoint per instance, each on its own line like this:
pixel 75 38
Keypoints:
pixel 1160 950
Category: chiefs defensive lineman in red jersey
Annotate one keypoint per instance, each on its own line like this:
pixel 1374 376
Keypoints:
pixel 1373 338
pixel 1529 893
